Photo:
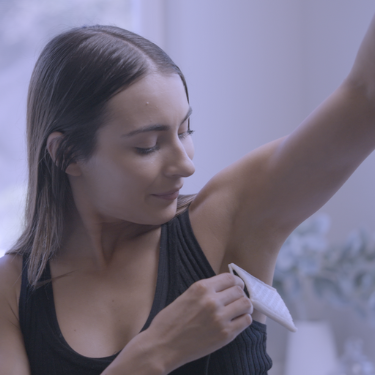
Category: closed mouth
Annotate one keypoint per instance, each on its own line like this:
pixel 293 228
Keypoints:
pixel 169 195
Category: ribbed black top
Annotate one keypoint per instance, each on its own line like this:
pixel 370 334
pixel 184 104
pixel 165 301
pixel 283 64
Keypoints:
pixel 181 263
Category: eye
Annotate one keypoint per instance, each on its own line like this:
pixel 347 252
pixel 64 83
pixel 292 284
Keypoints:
pixel 185 134
pixel 145 151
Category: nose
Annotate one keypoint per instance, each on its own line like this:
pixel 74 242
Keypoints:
pixel 179 161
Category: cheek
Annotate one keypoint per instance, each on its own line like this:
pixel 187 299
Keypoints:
pixel 119 177
pixel 127 180
pixel 133 178
pixel 105 179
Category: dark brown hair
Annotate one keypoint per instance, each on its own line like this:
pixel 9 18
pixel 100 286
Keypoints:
pixel 76 75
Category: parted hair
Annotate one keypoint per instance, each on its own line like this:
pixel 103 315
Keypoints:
pixel 75 76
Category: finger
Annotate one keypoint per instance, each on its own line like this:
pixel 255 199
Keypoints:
pixel 224 281
pixel 230 295
pixel 240 323
pixel 237 308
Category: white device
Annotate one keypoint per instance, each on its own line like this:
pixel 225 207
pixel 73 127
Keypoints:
pixel 265 298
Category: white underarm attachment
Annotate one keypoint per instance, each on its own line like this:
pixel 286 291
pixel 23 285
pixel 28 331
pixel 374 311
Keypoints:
pixel 265 298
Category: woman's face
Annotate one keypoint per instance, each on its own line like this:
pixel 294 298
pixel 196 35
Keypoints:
pixel 143 153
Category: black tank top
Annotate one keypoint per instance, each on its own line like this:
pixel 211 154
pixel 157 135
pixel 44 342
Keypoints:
pixel 181 263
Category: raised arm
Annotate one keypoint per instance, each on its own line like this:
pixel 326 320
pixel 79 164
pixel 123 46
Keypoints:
pixel 312 163
pixel 248 209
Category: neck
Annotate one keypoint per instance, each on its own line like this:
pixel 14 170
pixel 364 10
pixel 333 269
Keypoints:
pixel 98 241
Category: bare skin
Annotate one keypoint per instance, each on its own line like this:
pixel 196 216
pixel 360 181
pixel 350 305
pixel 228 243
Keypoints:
pixel 243 215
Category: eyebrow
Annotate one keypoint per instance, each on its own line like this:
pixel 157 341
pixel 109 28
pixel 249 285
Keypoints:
pixel 157 127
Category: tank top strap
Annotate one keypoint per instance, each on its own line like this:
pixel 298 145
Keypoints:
pixel 187 262
pixel 28 294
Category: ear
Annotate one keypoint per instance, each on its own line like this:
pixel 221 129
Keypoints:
pixel 53 141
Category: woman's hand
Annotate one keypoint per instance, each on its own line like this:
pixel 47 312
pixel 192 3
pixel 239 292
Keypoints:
pixel 210 314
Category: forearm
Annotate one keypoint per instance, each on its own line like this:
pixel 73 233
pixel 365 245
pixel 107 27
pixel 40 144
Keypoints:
pixel 141 356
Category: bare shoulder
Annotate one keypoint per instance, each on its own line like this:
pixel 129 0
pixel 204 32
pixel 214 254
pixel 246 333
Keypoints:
pixel 10 282
pixel 13 358
pixel 10 269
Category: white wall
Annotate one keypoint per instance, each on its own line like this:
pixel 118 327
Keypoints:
pixel 256 69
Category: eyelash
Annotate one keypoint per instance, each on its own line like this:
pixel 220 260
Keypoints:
pixel 185 134
pixel 146 151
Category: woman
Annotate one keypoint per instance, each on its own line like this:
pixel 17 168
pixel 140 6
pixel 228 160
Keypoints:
pixel 109 146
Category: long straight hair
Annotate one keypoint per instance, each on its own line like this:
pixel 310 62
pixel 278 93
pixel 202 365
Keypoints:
pixel 76 75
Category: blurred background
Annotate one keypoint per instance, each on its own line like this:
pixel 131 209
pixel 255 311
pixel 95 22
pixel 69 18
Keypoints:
pixel 255 70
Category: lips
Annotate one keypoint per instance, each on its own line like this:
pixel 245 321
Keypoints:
pixel 168 195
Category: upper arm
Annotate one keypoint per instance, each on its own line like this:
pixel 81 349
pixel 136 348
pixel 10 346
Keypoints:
pixel 13 358
pixel 306 168
pixel 229 217
pixel 246 211
pixel 249 208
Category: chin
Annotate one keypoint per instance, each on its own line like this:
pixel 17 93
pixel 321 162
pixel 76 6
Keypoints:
pixel 162 216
